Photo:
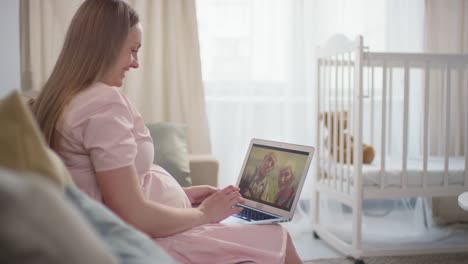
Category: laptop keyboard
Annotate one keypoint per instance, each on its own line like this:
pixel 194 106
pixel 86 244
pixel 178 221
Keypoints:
pixel 253 215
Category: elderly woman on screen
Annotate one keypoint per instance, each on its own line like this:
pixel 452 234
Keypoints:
pixel 286 192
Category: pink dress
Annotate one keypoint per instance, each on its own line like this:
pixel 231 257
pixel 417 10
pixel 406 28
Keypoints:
pixel 101 131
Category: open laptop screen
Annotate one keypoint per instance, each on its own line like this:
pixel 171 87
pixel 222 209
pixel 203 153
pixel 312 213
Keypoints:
pixel 272 175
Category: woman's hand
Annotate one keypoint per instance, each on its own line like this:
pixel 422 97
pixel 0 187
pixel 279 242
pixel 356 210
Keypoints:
pixel 199 193
pixel 221 204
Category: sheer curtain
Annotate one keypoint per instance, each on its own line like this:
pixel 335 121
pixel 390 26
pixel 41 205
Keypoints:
pixel 258 65
pixel 255 72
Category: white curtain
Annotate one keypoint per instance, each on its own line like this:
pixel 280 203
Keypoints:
pixel 258 67
pixel 446 31
pixel 43 25
pixel 168 84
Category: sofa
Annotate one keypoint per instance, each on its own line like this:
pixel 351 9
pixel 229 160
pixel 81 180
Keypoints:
pixel 45 218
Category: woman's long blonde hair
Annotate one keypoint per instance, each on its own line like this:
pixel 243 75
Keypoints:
pixel 93 42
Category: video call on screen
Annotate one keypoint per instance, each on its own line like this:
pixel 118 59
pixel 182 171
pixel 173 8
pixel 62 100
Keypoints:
pixel 272 175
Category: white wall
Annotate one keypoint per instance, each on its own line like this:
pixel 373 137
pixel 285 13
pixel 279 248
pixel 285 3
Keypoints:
pixel 9 46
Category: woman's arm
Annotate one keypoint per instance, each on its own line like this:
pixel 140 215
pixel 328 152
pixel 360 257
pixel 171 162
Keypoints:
pixel 121 192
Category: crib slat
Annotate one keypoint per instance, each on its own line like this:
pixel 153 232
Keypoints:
pixel 324 89
pixel 318 168
pixel 335 126
pixel 372 106
pixel 325 105
pixel 384 121
pixel 348 147
pixel 441 147
pixel 390 109
pixel 404 182
pixel 447 124
pixel 341 122
pixel 426 123
pixel 466 126
pixel 357 156
pixel 329 77
pixel 458 114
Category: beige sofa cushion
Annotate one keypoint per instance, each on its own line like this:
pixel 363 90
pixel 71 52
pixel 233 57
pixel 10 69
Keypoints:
pixel 23 147
pixel 204 169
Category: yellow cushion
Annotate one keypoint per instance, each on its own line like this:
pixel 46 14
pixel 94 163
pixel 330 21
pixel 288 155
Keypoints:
pixel 23 147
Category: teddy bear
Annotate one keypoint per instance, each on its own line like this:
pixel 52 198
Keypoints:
pixel 368 152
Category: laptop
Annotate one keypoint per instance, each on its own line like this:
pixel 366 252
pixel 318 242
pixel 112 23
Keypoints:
pixel 271 180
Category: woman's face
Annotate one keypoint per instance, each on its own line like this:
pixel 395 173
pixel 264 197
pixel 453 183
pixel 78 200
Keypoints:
pixel 128 58
pixel 284 177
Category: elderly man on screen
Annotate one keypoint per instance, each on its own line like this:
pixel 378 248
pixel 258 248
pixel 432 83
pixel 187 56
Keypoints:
pixel 254 184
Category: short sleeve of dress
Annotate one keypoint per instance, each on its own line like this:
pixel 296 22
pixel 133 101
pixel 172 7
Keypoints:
pixel 108 137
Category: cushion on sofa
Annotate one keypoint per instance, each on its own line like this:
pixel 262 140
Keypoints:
pixel 171 150
pixel 129 244
pixel 38 225
pixel 23 146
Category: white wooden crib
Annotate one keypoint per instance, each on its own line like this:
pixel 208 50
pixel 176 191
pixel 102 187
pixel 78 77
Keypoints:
pixel 347 77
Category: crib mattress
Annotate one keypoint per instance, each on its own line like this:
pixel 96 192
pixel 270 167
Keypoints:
pixel 393 172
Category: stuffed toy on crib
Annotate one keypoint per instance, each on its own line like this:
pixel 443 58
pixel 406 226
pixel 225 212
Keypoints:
pixel 368 152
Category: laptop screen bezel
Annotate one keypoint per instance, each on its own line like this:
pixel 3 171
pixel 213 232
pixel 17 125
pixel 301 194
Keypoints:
pixel 289 148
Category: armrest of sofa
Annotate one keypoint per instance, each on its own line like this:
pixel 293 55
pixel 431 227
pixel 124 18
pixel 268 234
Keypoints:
pixel 204 169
